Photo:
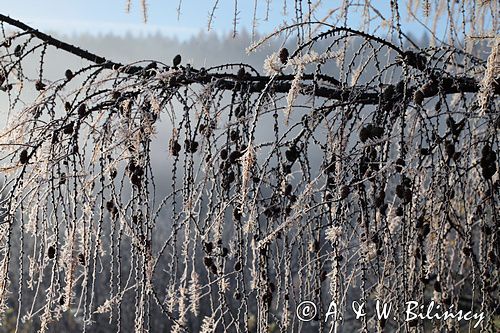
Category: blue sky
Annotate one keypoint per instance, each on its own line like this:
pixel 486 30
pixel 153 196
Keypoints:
pixel 109 16
pixel 102 16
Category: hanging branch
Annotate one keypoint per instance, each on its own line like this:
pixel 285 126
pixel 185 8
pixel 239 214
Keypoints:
pixel 251 198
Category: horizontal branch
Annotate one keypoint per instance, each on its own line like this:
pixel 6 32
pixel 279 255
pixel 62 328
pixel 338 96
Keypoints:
pixel 257 83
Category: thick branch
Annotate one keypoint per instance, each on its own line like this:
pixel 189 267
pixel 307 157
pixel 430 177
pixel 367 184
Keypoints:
pixel 57 43
pixel 257 83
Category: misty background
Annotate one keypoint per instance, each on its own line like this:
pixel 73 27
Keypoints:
pixel 199 50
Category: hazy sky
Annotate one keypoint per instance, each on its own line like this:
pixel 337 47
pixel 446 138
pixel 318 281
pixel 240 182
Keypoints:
pixel 109 16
